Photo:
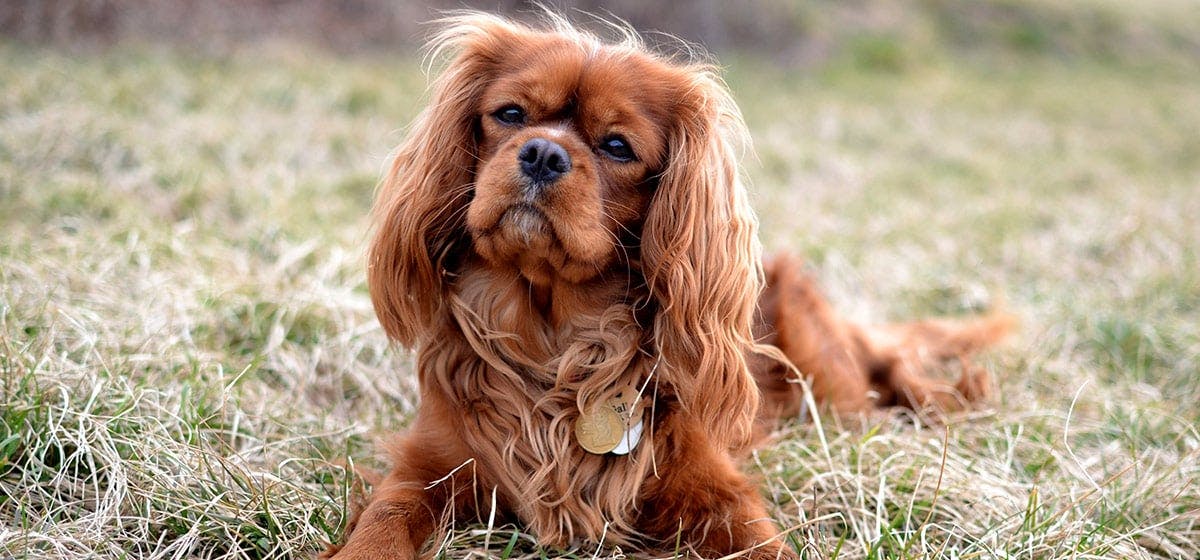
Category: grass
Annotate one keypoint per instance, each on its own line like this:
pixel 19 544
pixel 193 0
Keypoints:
pixel 190 367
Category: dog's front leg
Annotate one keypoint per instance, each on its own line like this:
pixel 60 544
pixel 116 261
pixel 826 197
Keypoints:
pixel 702 500
pixel 432 482
pixel 400 517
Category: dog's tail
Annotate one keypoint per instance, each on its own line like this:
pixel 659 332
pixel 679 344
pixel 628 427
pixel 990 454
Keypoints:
pixel 942 339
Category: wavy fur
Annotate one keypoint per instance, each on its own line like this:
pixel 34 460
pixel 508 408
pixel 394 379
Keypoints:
pixel 532 301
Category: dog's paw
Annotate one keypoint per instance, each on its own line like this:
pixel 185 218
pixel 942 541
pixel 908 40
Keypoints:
pixel 368 551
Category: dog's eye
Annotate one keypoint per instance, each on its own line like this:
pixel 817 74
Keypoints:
pixel 617 148
pixel 510 114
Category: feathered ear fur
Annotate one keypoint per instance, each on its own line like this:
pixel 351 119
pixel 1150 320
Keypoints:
pixel 418 216
pixel 701 259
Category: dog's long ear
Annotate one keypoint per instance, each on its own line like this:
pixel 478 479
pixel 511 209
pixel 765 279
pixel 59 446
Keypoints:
pixel 418 214
pixel 701 259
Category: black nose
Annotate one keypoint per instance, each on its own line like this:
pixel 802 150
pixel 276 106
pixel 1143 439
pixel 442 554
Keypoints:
pixel 543 161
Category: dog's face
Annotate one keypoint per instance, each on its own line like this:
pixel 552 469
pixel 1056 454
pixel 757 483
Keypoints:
pixel 556 157
pixel 570 145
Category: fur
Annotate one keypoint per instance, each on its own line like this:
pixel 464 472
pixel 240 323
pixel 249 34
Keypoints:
pixel 528 306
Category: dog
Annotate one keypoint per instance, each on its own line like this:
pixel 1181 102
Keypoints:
pixel 564 239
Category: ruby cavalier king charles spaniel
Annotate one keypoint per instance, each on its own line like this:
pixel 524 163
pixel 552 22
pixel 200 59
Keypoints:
pixel 565 241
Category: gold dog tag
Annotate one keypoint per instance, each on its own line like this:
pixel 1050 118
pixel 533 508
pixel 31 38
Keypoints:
pixel 604 429
pixel 599 431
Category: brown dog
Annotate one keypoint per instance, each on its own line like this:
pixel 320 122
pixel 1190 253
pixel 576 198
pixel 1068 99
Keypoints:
pixel 564 240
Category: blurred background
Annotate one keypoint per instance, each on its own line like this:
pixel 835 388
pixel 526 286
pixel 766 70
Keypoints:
pixel 794 32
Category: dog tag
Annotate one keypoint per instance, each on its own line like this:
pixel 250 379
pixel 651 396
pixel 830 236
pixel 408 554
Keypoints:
pixel 611 428
pixel 629 439
pixel 599 431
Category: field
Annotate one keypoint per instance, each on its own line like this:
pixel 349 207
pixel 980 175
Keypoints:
pixel 190 366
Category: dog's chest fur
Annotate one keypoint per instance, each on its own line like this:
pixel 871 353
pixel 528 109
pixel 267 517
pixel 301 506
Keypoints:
pixel 524 385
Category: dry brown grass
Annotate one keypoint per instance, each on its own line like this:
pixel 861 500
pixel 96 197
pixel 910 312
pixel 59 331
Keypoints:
pixel 189 363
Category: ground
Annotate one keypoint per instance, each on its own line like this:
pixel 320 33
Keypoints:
pixel 190 366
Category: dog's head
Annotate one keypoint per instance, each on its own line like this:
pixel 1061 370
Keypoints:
pixel 563 158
